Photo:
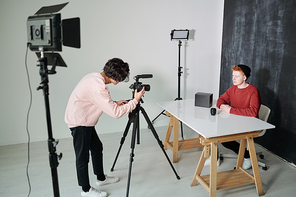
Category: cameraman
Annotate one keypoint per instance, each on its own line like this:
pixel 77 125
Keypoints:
pixel 89 99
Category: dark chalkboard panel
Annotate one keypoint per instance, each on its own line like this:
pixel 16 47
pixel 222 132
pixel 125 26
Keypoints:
pixel 262 35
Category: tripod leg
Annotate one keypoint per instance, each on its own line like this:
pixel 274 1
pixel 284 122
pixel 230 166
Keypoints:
pixel 135 126
pixel 182 130
pixel 121 143
pixel 158 140
pixel 161 113
pixel 138 129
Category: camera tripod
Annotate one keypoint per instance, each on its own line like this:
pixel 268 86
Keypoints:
pixel 134 118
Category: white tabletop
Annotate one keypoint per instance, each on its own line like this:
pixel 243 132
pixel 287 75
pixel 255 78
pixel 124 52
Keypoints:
pixel 200 120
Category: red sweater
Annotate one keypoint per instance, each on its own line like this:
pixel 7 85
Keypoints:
pixel 245 102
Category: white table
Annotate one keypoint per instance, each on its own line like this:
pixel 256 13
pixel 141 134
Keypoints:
pixel 212 130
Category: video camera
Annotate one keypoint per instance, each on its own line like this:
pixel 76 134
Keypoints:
pixel 139 85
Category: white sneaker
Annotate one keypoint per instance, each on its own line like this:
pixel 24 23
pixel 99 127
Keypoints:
pixel 208 161
pixel 94 193
pixel 108 180
pixel 247 163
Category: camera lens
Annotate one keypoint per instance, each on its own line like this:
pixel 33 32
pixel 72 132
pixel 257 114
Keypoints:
pixel 147 87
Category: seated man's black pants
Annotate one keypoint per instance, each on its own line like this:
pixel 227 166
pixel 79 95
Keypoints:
pixel 234 146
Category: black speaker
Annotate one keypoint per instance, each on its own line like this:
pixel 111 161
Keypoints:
pixel 203 99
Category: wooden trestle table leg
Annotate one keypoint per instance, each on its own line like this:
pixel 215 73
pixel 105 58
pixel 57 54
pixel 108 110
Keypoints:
pixel 241 153
pixel 255 166
pixel 176 139
pixel 213 169
pixel 173 125
pixel 168 133
pixel 200 166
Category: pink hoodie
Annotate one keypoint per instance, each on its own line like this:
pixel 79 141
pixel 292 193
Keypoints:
pixel 89 99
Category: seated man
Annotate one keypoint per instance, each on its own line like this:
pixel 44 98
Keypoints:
pixel 244 99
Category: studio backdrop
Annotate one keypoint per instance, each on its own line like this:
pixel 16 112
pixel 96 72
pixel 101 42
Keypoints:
pixel 261 34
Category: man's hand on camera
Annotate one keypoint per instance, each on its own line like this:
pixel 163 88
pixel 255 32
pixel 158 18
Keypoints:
pixel 122 102
pixel 138 95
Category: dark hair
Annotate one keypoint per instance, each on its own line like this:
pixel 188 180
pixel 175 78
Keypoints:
pixel 117 69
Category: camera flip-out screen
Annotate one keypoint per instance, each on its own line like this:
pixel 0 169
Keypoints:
pixel 180 34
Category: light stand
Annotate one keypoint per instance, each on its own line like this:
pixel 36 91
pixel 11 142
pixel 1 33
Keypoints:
pixel 134 118
pixel 46 32
pixel 52 143
pixel 177 35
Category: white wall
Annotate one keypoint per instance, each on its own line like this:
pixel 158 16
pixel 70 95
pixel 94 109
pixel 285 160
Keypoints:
pixel 138 31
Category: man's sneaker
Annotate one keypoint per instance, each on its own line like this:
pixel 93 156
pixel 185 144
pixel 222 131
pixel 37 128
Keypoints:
pixel 247 163
pixel 108 180
pixel 208 161
pixel 94 193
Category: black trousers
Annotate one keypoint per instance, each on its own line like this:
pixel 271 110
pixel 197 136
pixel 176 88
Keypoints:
pixel 234 146
pixel 85 140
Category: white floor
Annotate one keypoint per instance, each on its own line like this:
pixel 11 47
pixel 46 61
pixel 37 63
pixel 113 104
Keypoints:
pixel 151 172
